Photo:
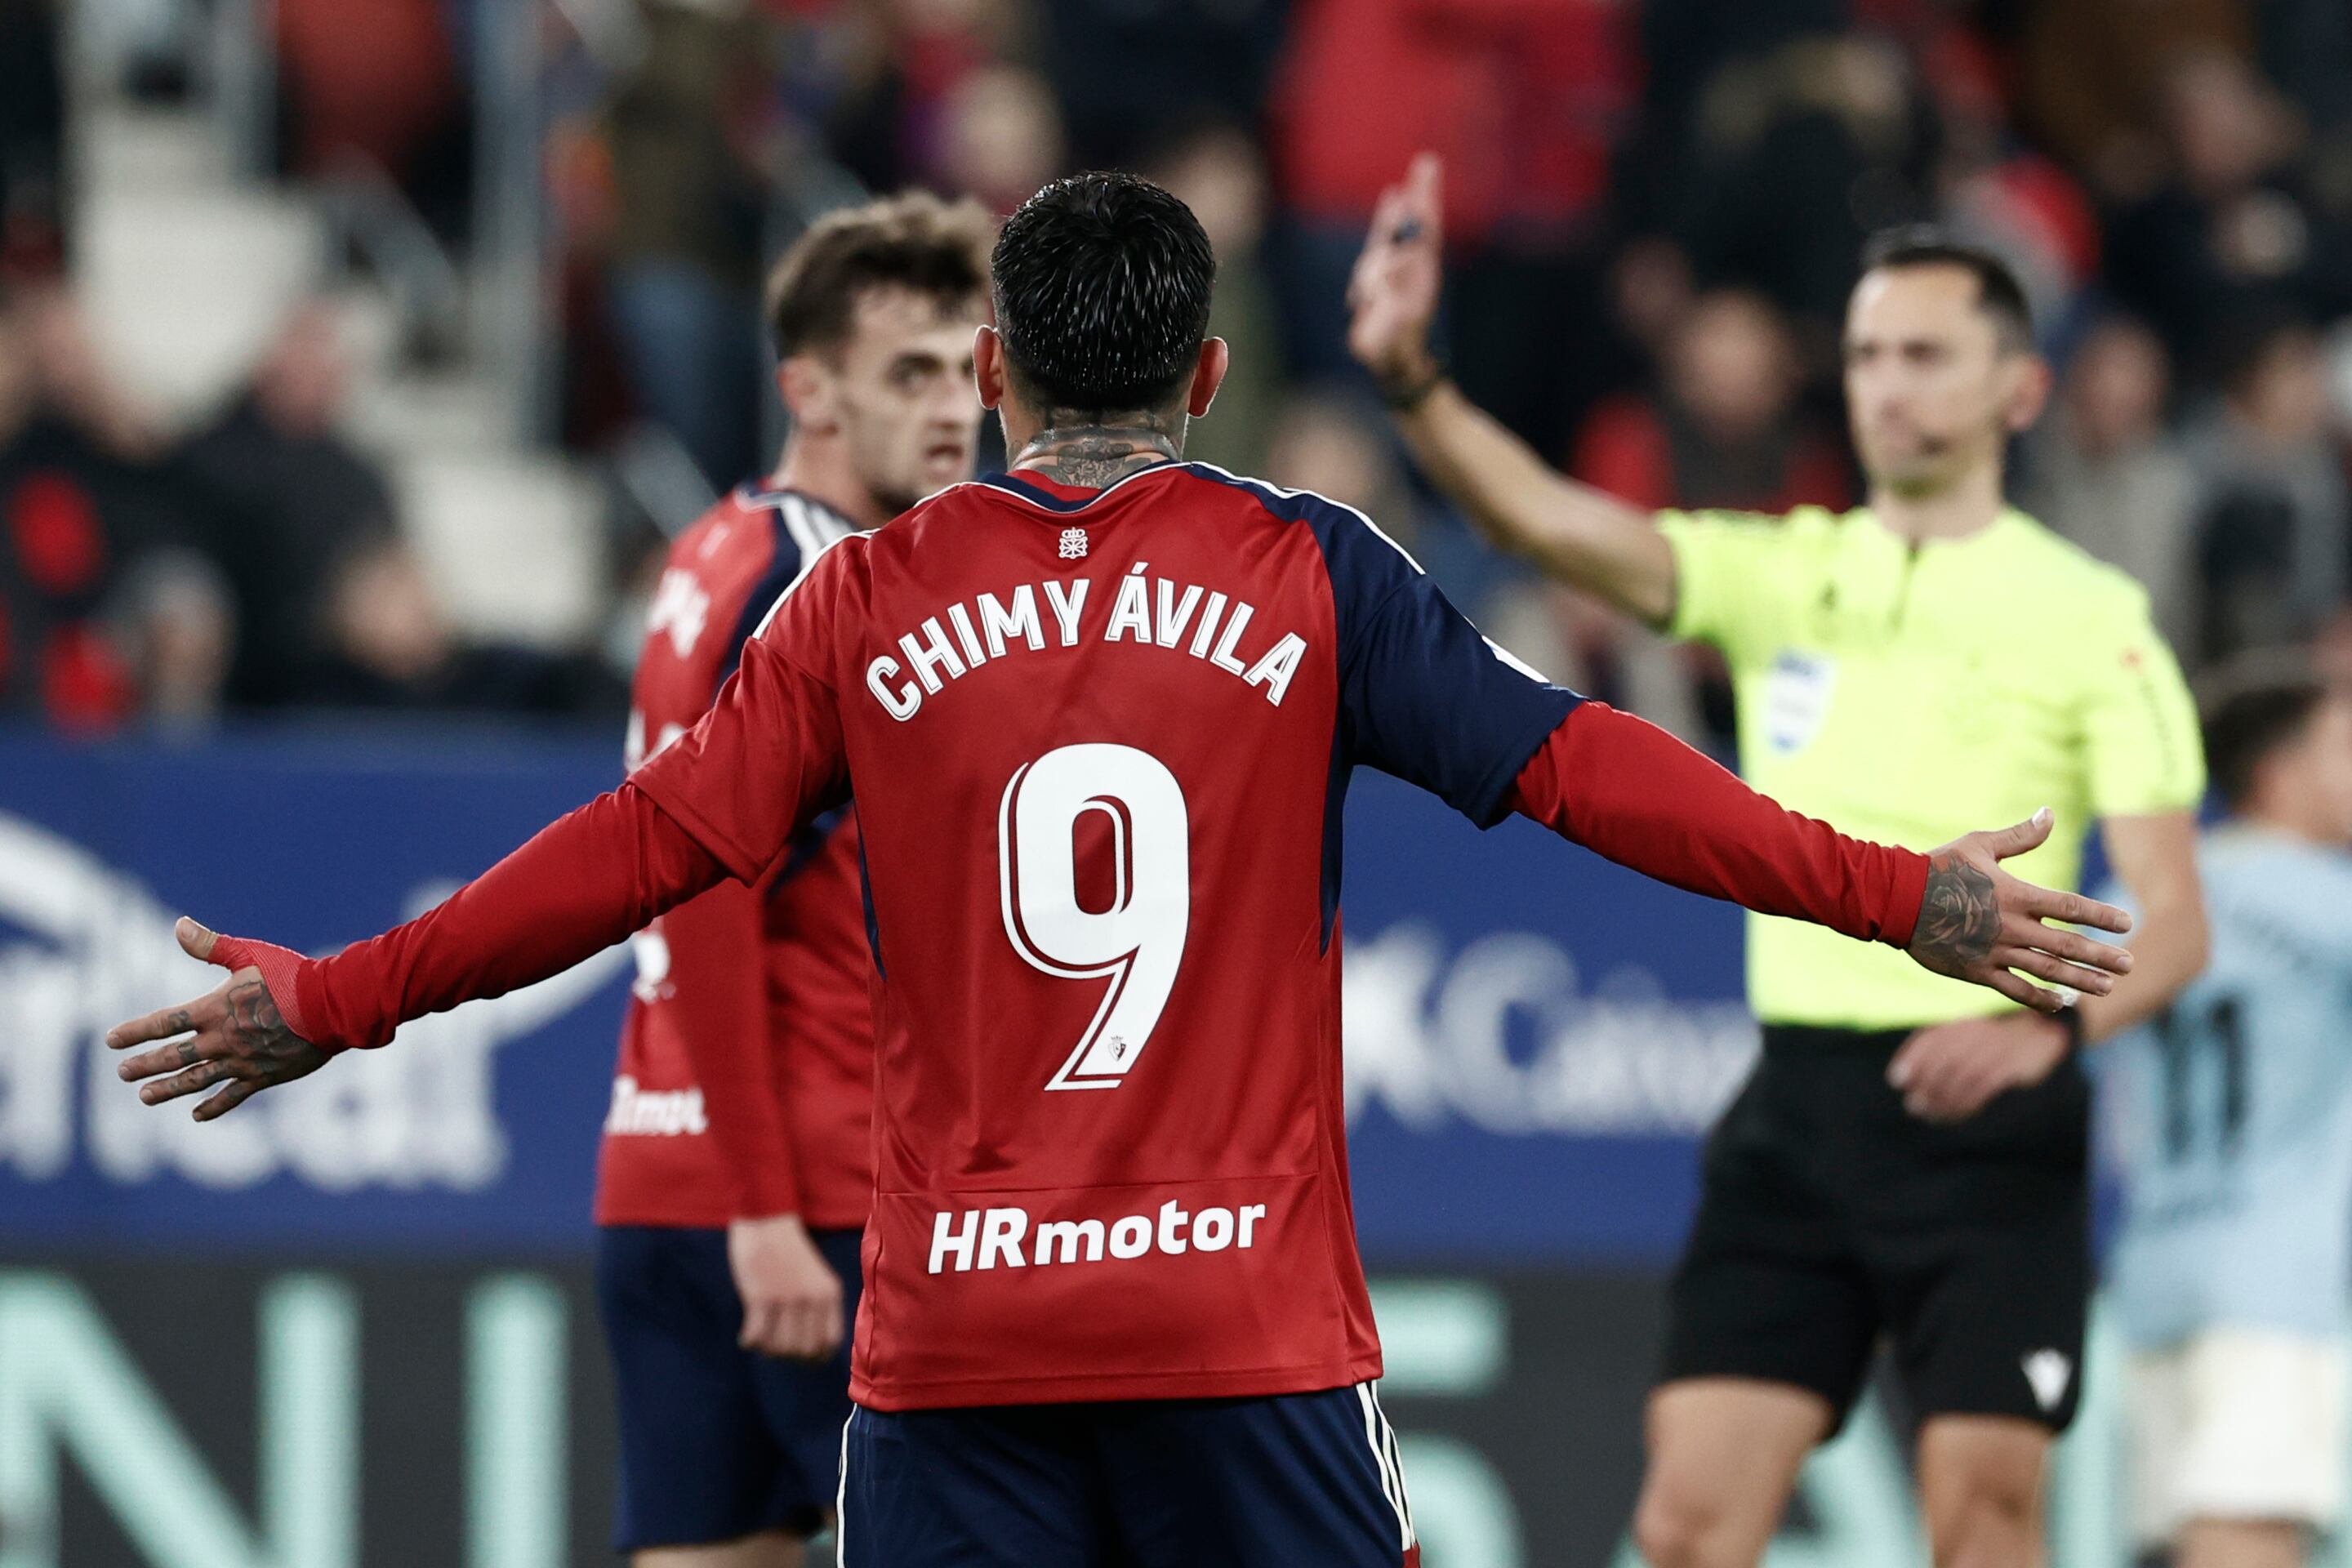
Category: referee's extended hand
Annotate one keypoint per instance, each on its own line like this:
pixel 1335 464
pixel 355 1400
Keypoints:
pixel 1980 924
pixel 1393 294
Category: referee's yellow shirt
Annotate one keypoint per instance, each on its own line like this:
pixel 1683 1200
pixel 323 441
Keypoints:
pixel 1911 694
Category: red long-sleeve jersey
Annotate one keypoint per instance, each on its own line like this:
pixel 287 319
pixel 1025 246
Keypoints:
pixel 1101 742
pixel 744 1083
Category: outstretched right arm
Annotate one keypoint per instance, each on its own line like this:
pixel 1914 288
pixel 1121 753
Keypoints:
pixel 1629 791
pixel 1427 699
pixel 722 802
pixel 1573 532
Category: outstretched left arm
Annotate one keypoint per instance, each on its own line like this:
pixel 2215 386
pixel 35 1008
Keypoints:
pixel 722 802
pixel 582 883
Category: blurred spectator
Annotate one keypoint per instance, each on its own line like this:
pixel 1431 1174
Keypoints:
pixel 689 212
pixel 1123 68
pixel 1651 288
pixel 2274 513
pixel 1726 430
pixel 286 497
pixel 81 497
pixel 1001 137
pixel 1995 189
pixel 875 77
pixel 2104 472
pixel 2306 49
pixel 375 82
pixel 173 626
pixel 32 140
pixel 1524 98
pixel 1656 210
pixel 2339 359
pixel 2089 72
pixel 1684 45
pixel 1366 84
pixel 390 647
pixel 1329 443
pixel 1796 158
pixel 1215 170
pixel 2237 226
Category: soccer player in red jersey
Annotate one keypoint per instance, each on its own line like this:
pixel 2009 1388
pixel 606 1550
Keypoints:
pixel 734 1178
pixel 1100 715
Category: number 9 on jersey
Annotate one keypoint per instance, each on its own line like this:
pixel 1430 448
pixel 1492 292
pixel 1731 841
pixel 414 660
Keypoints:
pixel 1139 941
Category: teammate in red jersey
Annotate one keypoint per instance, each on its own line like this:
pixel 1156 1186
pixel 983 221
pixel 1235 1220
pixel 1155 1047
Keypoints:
pixel 1100 716
pixel 735 1174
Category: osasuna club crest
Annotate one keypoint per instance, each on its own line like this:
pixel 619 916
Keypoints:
pixel 1074 544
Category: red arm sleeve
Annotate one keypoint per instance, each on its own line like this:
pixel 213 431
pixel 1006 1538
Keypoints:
pixel 766 758
pixel 581 884
pixel 1627 790
pixel 725 799
pixel 720 980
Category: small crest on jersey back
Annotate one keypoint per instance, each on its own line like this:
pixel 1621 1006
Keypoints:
pixel 1074 544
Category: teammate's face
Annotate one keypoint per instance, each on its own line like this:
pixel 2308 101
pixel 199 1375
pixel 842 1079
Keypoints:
pixel 898 395
pixel 1932 391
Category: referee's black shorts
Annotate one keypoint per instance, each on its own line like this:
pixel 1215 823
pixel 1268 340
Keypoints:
pixel 1832 1216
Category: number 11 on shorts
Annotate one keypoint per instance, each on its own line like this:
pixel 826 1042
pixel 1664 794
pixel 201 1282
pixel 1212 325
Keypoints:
pixel 1139 941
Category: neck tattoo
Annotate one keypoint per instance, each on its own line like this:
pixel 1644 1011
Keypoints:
pixel 1095 455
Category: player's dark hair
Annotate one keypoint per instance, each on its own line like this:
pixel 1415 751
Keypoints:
pixel 1102 295
pixel 913 241
pixel 2251 707
pixel 1999 293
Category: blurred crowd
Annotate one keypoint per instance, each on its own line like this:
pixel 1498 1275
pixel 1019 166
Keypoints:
pixel 256 562
pixel 1655 210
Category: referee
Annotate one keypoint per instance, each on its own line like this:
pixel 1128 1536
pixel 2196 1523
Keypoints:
pixel 1901 1162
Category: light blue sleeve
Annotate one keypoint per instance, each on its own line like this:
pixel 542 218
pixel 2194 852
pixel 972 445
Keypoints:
pixel 2322 897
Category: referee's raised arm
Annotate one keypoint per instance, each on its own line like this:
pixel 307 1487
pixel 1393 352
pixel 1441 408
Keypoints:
pixel 1574 532
pixel 1908 1163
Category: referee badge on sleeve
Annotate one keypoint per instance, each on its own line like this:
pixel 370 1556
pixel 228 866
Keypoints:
pixel 1797 699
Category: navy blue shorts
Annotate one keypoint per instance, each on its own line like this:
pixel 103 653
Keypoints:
pixel 716 1442
pixel 1191 1483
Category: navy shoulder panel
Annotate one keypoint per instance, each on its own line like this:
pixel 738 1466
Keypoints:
pixel 1423 694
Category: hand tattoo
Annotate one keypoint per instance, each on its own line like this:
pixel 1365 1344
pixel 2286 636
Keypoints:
pixel 264 1051
pixel 1959 917
pixel 234 1040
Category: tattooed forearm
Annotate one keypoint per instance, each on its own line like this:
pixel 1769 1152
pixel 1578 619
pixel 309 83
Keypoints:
pixel 1098 451
pixel 1959 917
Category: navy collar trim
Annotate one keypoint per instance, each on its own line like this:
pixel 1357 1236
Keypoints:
pixel 752 495
pixel 1013 484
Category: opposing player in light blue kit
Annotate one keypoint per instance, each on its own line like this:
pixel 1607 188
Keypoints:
pixel 2234 1271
